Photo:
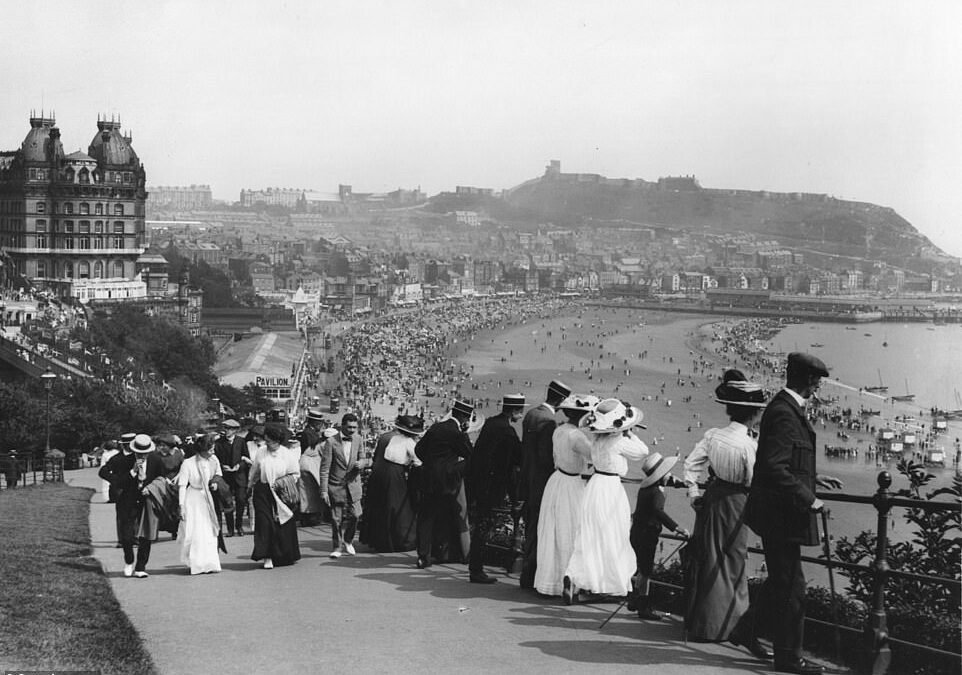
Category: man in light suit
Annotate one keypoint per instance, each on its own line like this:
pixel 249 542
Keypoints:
pixel 341 464
pixel 782 504
pixel 537 465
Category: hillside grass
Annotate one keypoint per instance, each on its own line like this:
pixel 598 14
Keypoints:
pixel 57 610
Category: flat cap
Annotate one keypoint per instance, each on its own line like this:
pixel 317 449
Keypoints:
pixel 231 424
pixel 802 362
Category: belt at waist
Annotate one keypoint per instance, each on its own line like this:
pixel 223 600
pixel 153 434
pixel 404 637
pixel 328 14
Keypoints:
pixel 570 473
pixel 606 473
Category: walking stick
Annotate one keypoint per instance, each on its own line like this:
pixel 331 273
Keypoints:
pixel 831 582
pixel 658 564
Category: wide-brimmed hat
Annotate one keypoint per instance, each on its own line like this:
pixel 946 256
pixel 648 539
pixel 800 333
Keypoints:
pixel 580 402
pixel 411 425
pixel 735 389
pixel 560 388
pixel 142 444
pixel 612 415
pixel 315 415
pixel 462 407
pixel 656 467
pixel 513 401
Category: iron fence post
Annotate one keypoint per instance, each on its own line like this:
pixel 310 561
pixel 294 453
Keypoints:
pixel 876 654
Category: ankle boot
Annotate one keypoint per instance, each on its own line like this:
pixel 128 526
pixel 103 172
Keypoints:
pixel 645 611
pixel 633 595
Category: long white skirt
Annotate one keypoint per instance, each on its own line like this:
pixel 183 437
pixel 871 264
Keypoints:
pixel 603 560
pixel 198 538
pixel 558 525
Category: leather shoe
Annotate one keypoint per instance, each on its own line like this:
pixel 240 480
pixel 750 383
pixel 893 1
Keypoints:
pixel 568 594
pixel 482 578
pixel 423 563
pixel 757 649
pixel 797 665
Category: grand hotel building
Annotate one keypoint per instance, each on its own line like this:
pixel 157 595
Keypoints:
pixel 74 223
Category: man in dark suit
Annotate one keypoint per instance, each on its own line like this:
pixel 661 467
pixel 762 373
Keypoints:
pixel 235 461
pixel 129 472
pixel 491 477
pixel 782 504
pixel 537 465
pixel 341 463
pixel 442 451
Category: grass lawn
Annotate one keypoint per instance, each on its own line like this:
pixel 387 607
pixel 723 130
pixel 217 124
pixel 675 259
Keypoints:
pixel 57 610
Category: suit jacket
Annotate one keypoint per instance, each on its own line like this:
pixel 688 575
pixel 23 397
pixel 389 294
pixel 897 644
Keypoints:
pixel 442 450
pixel 126 487
pixel 231 454
pixel 492 470
pixel 339 479
pixel 783 487
pixel 537 462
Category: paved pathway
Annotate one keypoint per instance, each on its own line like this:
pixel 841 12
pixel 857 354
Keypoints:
pixel 375 613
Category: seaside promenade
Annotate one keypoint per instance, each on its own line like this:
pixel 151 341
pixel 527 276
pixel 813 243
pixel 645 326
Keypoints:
pixel 376 613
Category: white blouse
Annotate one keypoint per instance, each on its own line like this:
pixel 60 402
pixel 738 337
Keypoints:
pixel 400 450
pixel 729 451
pixel 571 449
pixel 610 452
pixel 268 466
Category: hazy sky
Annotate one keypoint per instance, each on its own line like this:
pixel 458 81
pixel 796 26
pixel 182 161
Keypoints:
pixel 858 99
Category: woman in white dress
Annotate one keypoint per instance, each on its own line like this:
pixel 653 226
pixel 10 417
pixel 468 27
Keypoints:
pixel 560 515
pixel 603 561
pixel 199 528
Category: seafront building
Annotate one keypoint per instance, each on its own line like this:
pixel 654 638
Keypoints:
pixel 73 224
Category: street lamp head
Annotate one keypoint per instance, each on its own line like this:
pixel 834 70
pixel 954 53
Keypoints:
pixel 48 377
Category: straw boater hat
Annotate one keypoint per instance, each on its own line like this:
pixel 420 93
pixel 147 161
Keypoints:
pixel 410 425
pixel 580 402
pixel 125 439
pixel 142 444
pixel 513 402
pixel 612 415
pixel 735 389
pixel 560 388
pixel 315 415
pixel 656 467
pixel 462 407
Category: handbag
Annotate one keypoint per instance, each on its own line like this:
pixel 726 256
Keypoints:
pixel 288 490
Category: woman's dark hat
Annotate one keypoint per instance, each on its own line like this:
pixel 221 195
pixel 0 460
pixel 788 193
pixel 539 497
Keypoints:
pixel 735 389
pixel 410 425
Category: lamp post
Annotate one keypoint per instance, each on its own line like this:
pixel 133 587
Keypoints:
pixel 48 377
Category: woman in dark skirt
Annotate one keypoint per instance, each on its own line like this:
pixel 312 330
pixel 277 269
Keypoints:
pixel 275 531
pixel 389 518
pixel 716 585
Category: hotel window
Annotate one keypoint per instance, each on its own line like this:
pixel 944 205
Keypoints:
pixel 118 268
pixel 41 242
pixel 118 242
pixel 84 209
pixel 84 226
pixel 118 227
pixel 41 225
pixel 33 174
pixel 68 208
pixel 99 226
pixel 98 242
pixel 41 207
pixel 85 243
pixel 68 243
pixel 68 226
pixel 84 176
pixel 118 209
pixel 99 209
pixel 41 174
pixel 68 269
pixel 83 270
pixel 127 177
pixel 98 270
pixel 41 268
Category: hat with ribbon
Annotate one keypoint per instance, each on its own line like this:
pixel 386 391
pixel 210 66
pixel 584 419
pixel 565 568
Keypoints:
pixel 735 389
pixel 512 401
pixel 462 407
pixel 410 425
pixel 142 444
pixel 559 388
pixel 580 402
pixel 656 467
pixel 315 415
pixel 612 415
